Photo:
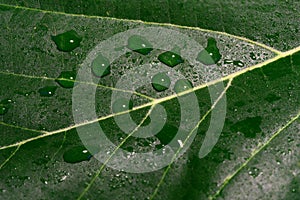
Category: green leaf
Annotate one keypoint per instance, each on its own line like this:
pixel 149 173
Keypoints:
pixel 42 155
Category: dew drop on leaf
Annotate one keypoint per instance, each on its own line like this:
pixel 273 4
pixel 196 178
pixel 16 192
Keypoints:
pixel 101 66
pixel 211 54
pixel 139 44
pixel 228 61
pixel 238 63
pixel 67 41
pixel 252 56
pixel 182 85
pixel 77 154
pixel 3 109
pixel 170 58
pixel 161 82
pixel 121 105
pixel 47 91
pixel 66 79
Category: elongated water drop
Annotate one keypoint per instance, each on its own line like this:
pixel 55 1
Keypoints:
pixel 101 66
pixel 228 61
pixel 66 79
pixel 238 63
pixel 161 82
pixel 182 85
pixel 77 154
pixel 139 44
pixel 211 54
pixel 121 105
pixel 47 91
pixel 67 41
pixel 170 58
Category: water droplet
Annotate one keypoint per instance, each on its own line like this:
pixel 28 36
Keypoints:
pixel 211 54
pixel 228 61
pixel 238 63
pixel 254 172
pixel 170 58
pixel 161 82
pixel 139 44
pixel 182 85
pixel 67 41
pixel 121 105
pixel 101 66
pixel 76 154
pixel 252 56
pixel 3 109
pixel 66 79
pixel 47 91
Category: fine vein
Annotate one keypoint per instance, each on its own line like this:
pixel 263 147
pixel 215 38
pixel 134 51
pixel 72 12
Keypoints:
pixel 253 154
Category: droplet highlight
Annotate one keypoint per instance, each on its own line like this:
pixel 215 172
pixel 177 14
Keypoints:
pixel 238 63
pixel 47 91
pixel 77 154
pixel 101 66
pixel 211 54
pixel 161 82
pixel 170 58
pixel 66 79
pixel 139 44
pixel 182 85
pixel 67 41
pixel 121 105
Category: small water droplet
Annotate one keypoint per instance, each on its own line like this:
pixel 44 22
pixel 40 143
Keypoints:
pixel 121 105
pixel 139 44
pixel 252 56
pixel 238 63
pixel 161 82
pixel 228 61
pixel 101 66
pixel 77 154
pixel 254 172
pixel 67 41
pixel 170 58
pixel 47 91
pixel 182 85
pixel 3 109
pixel 66 79
pixel 211 54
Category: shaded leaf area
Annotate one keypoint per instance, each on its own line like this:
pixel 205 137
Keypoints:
pixel 32 62
pixel 38 169
pixel 274 23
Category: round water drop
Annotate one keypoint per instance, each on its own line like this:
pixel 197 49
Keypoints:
pixel 182 85
pixel 77 154
pixel 252 56
pixel 3 109
pixel 211 54
pixel 161 82
pixel 238 63
pixel 121 105
pixel 139 44
pixel 100 66
pixel 170 58
pixel 67 41
pixel 47 91
pixel 66 79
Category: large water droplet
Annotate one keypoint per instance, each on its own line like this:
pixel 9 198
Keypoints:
pixel 67 41
pixel 77 154
pixel 47 91
pixel 182 85
pixel 211 54
pixel 121 105
pixel 161 82
pixel 101 66
pixel 66 79
pixel 170 58
pixel 139 44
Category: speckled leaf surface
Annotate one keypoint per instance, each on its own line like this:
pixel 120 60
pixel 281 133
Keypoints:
pixel 257 154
